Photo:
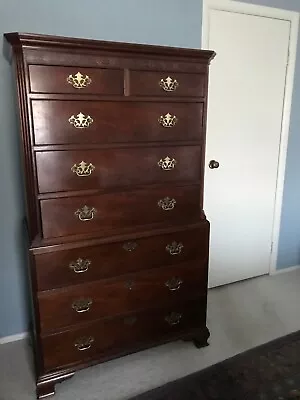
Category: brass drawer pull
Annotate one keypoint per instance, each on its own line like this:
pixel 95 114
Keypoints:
pixel 81 121
pixel 79 81
pixel 85 213
pixel 82 305
pixel 173 318
pixel 168 120
pixel 130 246
pixel 168 84
pixel 166 204
pixel 174 283
pixel 174 248
pixel 167 164
pixel 83 169
pixel 79 266
pixel 84 343
pixel 130 320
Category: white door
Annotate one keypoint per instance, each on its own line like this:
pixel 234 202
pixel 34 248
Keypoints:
pixel 245 109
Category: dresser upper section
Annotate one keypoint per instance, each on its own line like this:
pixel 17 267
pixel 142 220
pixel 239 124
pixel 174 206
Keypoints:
pixel 112 133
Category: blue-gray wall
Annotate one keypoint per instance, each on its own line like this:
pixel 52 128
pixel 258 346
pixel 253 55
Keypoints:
pixel 164 22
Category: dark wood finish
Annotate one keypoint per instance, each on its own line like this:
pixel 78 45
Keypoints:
pixel 48 79
pixel 144 83
pixel 113 168
pixel 114 334
pixel 104 261
pixel 124 141
pixel 127 209
pixel 123 294
pixel 114 122
pixel 46 386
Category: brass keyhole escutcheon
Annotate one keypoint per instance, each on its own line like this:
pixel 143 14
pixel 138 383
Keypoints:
pixel 213 164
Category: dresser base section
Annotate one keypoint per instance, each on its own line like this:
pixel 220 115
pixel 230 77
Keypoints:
pixel 45 386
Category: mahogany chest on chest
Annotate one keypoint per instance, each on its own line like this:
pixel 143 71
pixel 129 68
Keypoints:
pixel 113 139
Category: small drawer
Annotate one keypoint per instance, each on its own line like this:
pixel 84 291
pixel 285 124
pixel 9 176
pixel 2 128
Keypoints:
pixel 84 264
pixel 55 79
pixel 112 168
pixel 110 337
pixel 144 83
pixel 63 122
pixel 132 292
pixel 85 215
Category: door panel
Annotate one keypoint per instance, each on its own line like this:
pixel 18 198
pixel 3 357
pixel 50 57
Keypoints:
pixel 246 93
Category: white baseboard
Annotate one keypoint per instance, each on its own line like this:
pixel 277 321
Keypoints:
pixel 288 269
pixel 14 338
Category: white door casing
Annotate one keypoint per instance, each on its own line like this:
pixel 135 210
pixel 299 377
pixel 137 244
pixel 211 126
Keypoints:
pixel 250 92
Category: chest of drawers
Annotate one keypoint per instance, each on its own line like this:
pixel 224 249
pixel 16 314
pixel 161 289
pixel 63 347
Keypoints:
pixel 113 142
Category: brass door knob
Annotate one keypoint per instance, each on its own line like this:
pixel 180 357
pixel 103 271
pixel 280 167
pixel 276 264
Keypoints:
pixel 213 164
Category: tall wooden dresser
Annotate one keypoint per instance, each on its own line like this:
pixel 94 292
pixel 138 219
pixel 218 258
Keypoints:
pixel 113 139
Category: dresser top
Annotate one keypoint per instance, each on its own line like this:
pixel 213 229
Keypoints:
pixel 17 39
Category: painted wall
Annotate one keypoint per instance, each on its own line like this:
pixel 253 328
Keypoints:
pixel 164 22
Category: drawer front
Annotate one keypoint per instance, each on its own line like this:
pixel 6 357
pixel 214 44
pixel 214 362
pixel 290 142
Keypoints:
pixel 109 337
pixel 144 83
pixel 102 169
pixel 107 212
pixel 131 292
pixel 59 122
pixel 84 264
pixel 77 80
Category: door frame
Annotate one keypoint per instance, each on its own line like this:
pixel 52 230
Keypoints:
pixel 293 18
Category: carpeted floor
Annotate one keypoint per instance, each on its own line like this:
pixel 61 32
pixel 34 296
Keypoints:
pixel 267 372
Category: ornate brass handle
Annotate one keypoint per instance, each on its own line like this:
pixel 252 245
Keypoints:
pixel 81 121
pixel 168 120
pixel 82 305
pixel 85 213
pixel 174 283
pixel 84 343
pixel 174 248
pixel 130 246
pixel 83 169
pixel 167 164
pixel 79 266
pixel 168 84
pixel 173 318
pixel 166 204
pixel 79 81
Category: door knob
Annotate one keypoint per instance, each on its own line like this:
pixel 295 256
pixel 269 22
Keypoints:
pixel 213 164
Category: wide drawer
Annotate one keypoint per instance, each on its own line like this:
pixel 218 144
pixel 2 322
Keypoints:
pixel 58 122
pixel 109 337
pixel 102 169
pixel 123 210
pixel 83 303
pixel 149 83
pixel 55 79
pixel 83 264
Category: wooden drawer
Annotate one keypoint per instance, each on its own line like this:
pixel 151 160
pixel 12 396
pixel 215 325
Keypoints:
pixel 148 83
pixel 102 169
pixel 77 80
pixel 59 122
pixel 107 212
pixel 83 264
pixel 109 337
pixel 90 301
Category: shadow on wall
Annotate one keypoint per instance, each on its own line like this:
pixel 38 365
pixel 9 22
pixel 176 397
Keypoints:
pixel 14 306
